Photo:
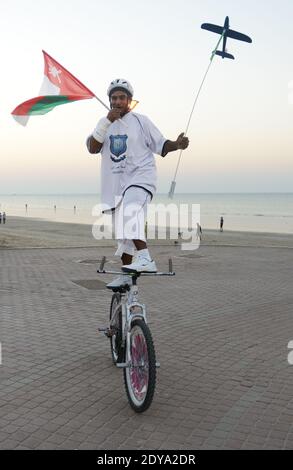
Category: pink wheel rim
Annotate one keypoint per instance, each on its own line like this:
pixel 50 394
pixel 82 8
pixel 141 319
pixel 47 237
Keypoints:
pixel 139 369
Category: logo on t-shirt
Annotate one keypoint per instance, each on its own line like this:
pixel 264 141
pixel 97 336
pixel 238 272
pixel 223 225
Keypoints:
pixel 118 147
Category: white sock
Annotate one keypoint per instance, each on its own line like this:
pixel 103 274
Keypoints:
pixel 144 254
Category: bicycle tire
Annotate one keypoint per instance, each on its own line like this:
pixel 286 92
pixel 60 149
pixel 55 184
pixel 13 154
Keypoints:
pixel 143 377
pixel 116 339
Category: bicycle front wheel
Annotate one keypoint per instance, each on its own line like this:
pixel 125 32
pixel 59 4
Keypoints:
pixel 140 375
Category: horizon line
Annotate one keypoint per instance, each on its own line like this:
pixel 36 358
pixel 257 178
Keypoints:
pixel 158 193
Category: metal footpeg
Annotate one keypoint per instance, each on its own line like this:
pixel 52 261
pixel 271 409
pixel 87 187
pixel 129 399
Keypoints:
pixel 122 365
pixel 107 332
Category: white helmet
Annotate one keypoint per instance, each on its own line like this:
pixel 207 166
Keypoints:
pixel 120 84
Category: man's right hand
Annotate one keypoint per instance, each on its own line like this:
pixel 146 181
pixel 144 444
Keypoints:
pixel 114 114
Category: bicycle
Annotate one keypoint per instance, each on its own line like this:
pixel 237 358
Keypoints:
pixel 131 342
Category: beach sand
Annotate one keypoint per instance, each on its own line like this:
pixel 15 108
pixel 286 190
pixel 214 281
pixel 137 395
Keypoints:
pixel 23 232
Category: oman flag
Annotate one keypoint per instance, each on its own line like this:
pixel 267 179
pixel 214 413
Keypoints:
pixel 59 87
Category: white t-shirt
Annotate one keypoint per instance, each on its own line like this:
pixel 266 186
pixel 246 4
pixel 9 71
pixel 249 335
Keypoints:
pixel 128 157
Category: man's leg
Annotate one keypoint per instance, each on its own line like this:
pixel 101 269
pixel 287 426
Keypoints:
pixel 137 200
pixel 130 226
pixel 125 250
pixel 142 248
pixel 126 258
pixel 139 245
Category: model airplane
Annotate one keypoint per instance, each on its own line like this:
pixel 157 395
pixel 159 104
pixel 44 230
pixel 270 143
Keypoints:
pixel 226 32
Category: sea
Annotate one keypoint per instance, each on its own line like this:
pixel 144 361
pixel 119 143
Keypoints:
pixel 257 212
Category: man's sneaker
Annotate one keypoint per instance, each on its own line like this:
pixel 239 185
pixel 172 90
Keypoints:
pixel 120 281
pixel 141 265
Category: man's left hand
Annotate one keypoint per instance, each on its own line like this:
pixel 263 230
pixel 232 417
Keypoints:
pixel 182 142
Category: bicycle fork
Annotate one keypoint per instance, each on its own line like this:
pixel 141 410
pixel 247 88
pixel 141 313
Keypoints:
pixel 133 311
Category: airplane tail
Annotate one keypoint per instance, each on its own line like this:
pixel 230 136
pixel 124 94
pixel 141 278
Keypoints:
pixel 225 55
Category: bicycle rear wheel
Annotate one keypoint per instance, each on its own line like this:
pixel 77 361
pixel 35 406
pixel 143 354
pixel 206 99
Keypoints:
pixel 116 329
pixel 140 375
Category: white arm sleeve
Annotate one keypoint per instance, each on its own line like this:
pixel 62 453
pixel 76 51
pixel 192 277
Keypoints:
pixel 101 129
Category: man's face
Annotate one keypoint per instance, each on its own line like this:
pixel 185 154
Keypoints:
pixel 120 100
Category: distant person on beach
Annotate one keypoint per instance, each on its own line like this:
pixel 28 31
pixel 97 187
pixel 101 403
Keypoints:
pixel 198 231
pixel 74 209
pixel 26 208
pixel 0 218
pixel 179 238
pixel 4 218
pixel 127 142
pixel 221 224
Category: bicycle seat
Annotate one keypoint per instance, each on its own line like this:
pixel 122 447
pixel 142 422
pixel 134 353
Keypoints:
pixel 121 289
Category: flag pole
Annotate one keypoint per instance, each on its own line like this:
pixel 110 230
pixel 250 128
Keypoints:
pixel 173 183
pixel 109 109
pixel 102 103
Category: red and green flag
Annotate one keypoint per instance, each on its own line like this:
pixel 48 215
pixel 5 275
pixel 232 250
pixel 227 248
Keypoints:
pixel 59 87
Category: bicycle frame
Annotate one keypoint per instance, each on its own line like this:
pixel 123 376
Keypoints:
pixel 128 302
pixel 131 340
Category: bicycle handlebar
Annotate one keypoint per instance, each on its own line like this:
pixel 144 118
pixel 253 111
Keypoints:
pixel 101 270
pixel 134 273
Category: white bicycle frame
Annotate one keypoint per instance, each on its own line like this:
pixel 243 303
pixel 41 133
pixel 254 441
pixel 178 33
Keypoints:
pixel 131 310
pixel 129 302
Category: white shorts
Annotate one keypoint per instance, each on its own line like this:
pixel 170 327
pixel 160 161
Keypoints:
pixel 129 219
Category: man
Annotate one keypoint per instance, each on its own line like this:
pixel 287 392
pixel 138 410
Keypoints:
pixel 198 231
pixel 127 142
pixel 221 223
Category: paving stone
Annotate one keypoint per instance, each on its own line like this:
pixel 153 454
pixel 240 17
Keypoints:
pixel 220 333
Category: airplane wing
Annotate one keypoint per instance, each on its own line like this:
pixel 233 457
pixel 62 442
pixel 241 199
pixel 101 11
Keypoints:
pixel 213 27
pixel 235 35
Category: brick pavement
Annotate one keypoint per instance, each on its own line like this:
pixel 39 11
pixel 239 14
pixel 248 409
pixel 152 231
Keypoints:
pixel 221 329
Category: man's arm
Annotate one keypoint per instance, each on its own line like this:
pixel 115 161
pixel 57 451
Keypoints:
pixel 93 145
pixel 95 141
pixel 170 145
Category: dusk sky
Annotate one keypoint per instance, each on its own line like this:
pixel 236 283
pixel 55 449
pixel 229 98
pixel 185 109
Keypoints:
pixel 241 137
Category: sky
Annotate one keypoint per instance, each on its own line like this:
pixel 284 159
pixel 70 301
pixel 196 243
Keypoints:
pixel 240 135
